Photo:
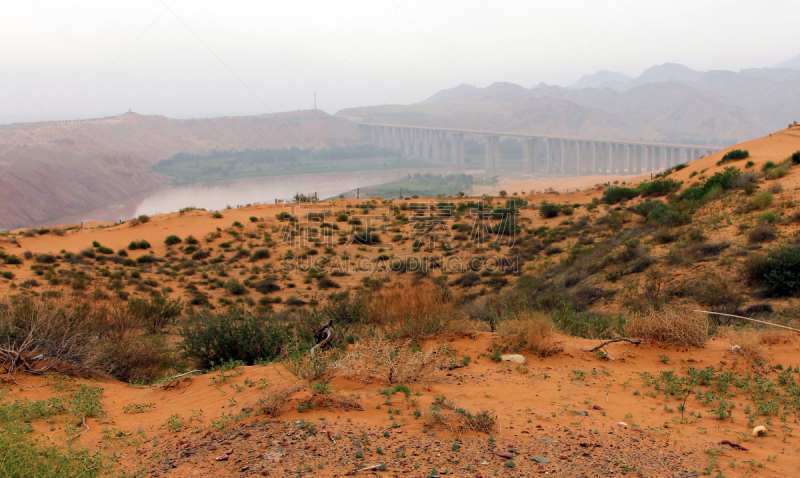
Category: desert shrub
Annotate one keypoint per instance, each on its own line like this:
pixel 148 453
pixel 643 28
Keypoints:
pixel 132 358
pixel 11 260
pixel 155 312
pixel 588 325
pixel 734 155
pixel 62 331
pixel 467 279
pixel 259 254
pixel 715 292
pixel 366 237
pixel 532 332
pixel 764 232
pixel 762 200
pixel 767 166
pixel 326 283
pixel 200 255
pixel 266 285
pixel 393 361
pixel 141 244
pixel 658 187
pixel 669 326
pixel 776 188
pixel 214 338
pixel 191 240
pixel 614 195
pixel 148 259
pixel 344 308
pixel 548 210
pixel 777 173
pixel 104 250
pixel 235 287
pixel 425 311
pixel 795 157
pixel 45 258
pixel 768 217
pixel 171 240
pixel 271 402
pixel 778 270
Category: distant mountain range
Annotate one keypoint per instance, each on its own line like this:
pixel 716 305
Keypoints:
pixel 669 102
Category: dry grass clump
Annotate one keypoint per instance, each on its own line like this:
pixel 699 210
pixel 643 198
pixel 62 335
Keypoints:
pixel 332 401
pixel 459 419
pixel 532 332
pixel 414 311
pixel 772 336
pixel 395 362
pixel 271 402
pixel 744 342
pixel 76 335
pixel 669 326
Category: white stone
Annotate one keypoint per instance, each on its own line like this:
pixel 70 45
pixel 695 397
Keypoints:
pixel 513 358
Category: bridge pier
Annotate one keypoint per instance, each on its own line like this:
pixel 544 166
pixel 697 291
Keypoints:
pixel 492 153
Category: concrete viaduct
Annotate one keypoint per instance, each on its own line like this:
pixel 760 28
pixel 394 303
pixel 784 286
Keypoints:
pixel 542 154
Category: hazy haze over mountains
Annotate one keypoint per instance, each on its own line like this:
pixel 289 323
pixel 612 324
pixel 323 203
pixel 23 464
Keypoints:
pixel 668 102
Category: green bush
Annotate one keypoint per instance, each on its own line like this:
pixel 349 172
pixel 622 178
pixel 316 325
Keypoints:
pixel 156 312
pixel 234 336
pixel 777 172
pixel 768 217
pixel 172 240
pixel 678 167
pixel 235 287
pixel 144 218
pixel 259 254
pixel 795 157
pixel 763 200
pixel 734 155
pixel 658 187
pixel 778 271
pixel 548 210
pixel 141 244
pixel 11 260
pixel 614 195
pixel 767 166
pixel 749 164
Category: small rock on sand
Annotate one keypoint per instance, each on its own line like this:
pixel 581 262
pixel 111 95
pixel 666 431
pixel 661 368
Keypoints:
pixel 513 358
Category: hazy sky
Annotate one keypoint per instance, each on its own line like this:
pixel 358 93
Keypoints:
pixel 210 58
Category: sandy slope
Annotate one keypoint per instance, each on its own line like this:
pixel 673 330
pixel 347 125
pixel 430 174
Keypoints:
pixel 535 406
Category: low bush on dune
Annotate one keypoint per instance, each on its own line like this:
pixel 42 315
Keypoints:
pixel 414 311
pixel 734 155
pixel 658 187
pixel 669 326
pixel 215 338
pixel 156 311
pixel 392 361
pixel 75 336
pixel 615 195
pixel 548 210
pixel 778 271
pixel 531 332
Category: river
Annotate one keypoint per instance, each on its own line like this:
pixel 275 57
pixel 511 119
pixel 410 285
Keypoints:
pixel 220 194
